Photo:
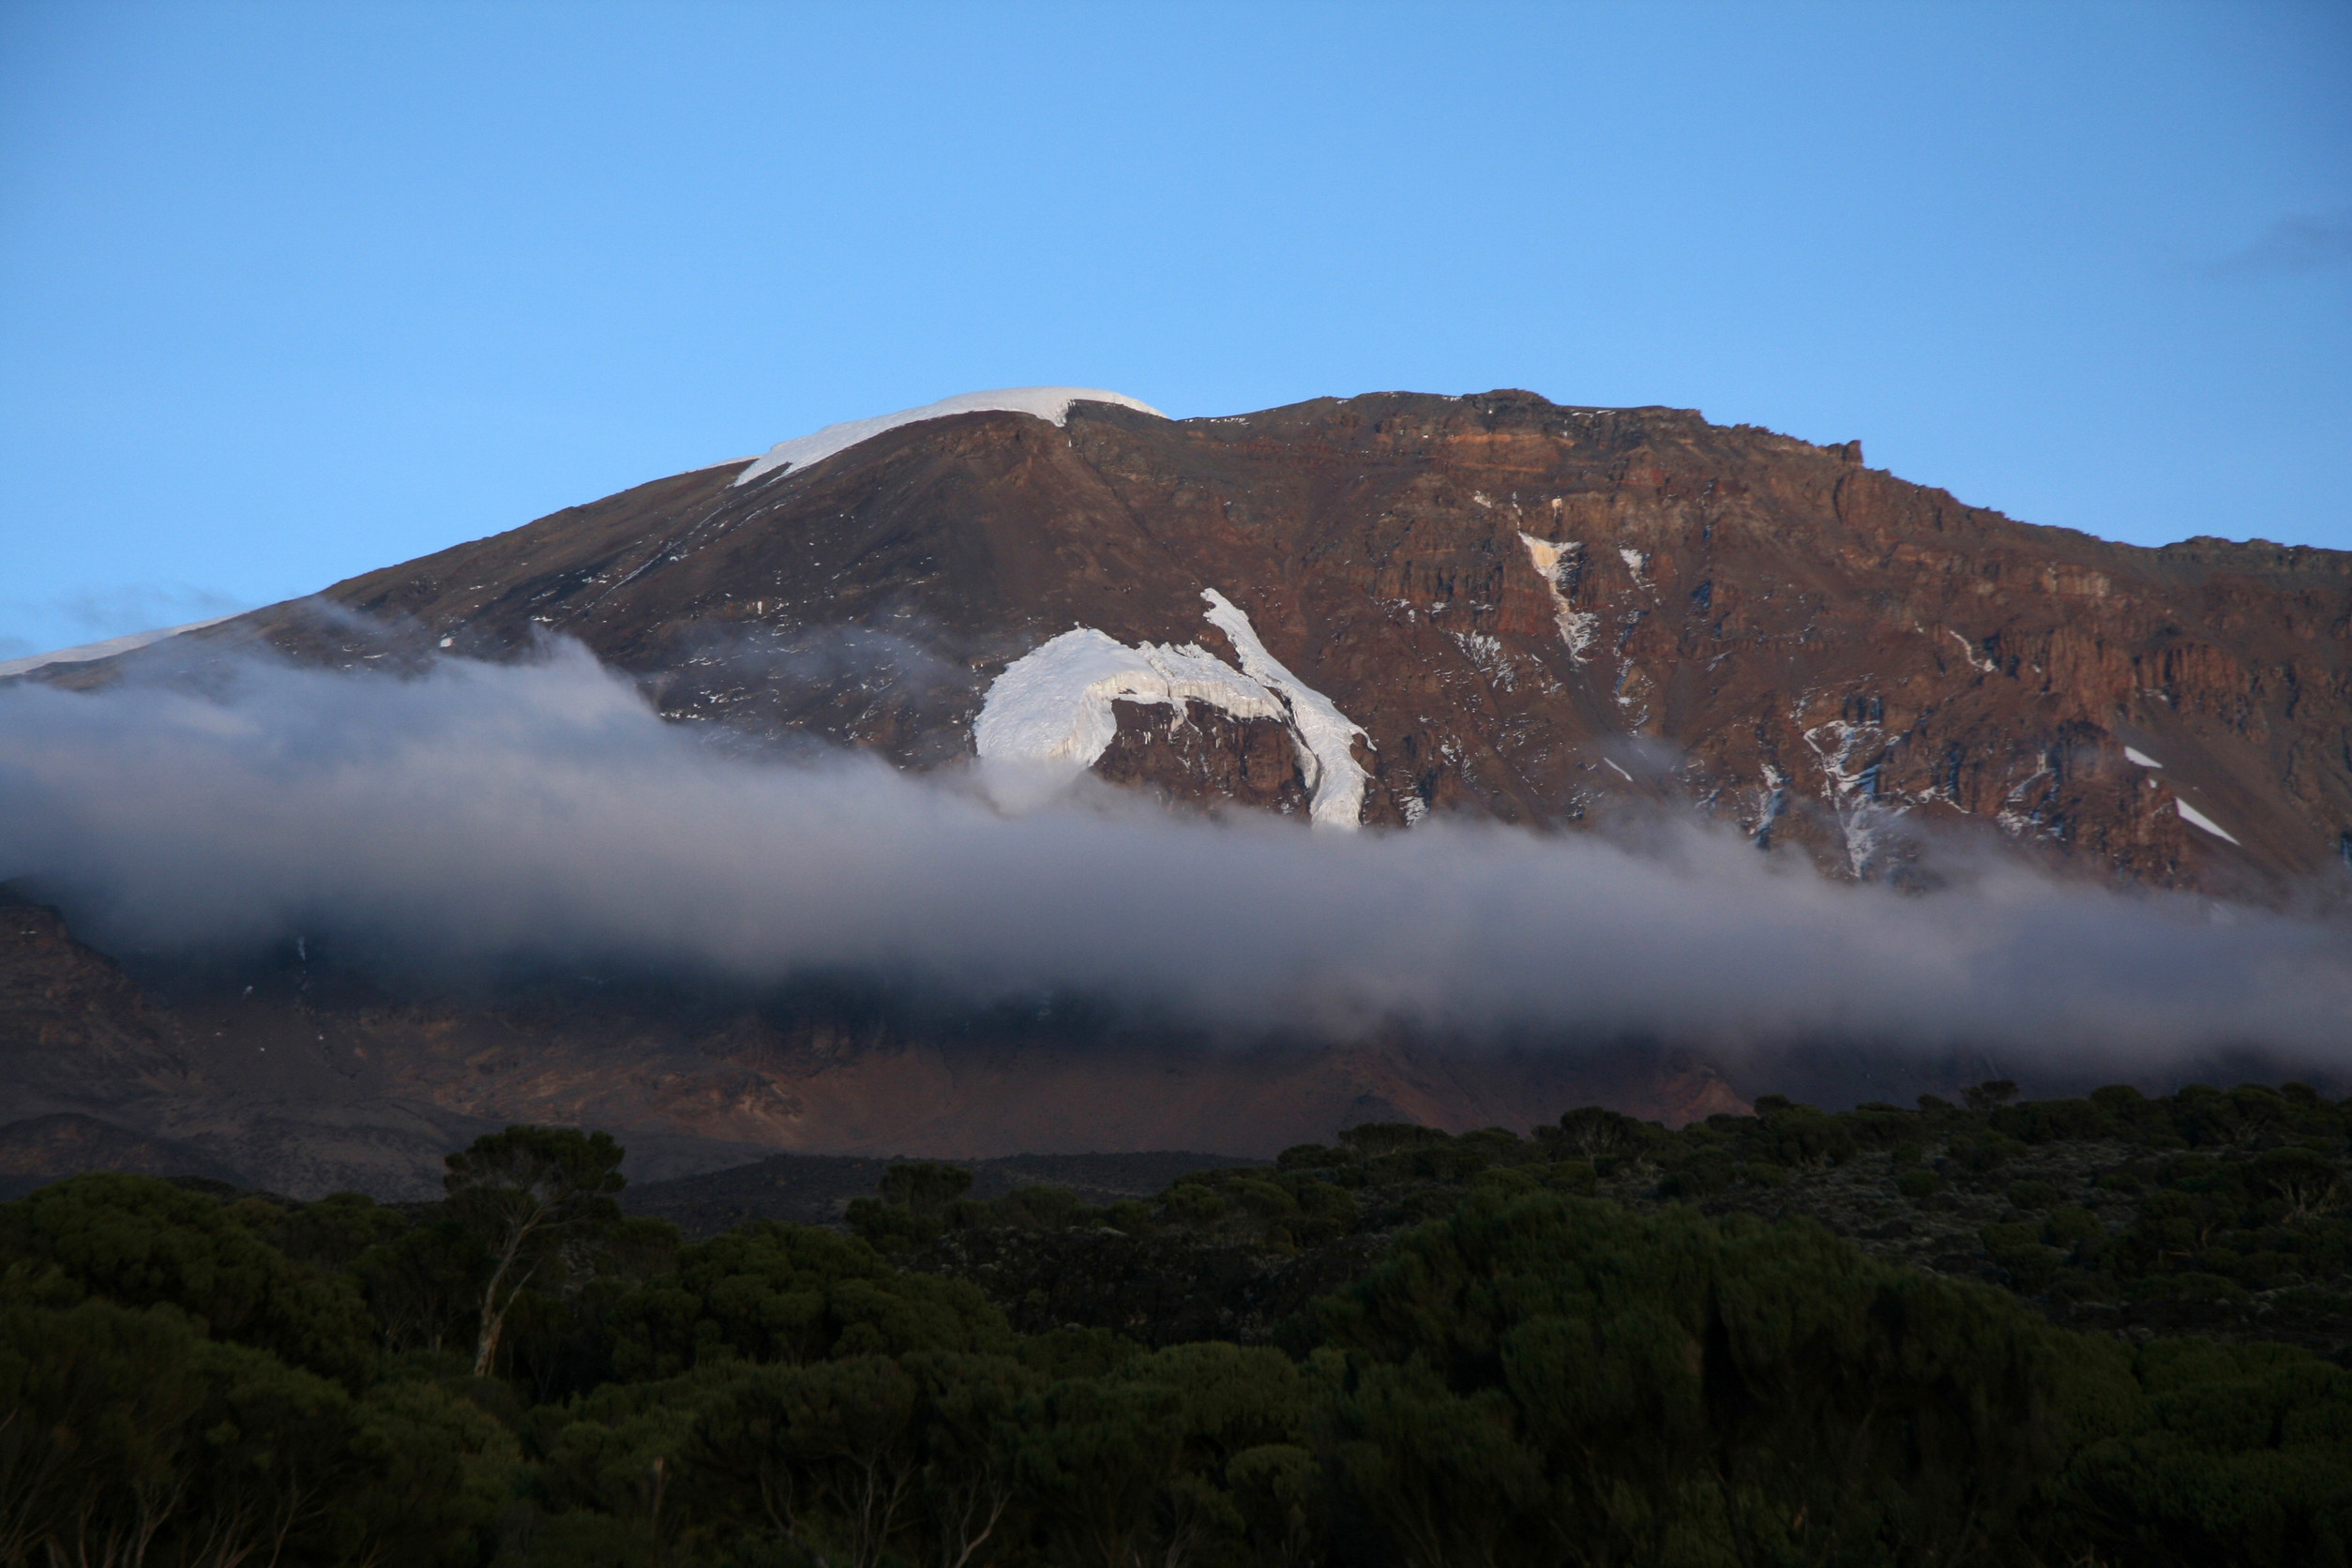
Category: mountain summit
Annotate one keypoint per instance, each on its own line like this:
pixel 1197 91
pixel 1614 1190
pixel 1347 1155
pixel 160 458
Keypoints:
pixel 1368 611
pixel 1361 615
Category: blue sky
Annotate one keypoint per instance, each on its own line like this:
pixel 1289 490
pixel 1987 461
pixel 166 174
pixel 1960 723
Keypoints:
pixel 288 291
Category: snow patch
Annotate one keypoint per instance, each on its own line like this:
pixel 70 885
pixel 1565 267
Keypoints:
pixel 1322 729
pixel 1487 657
pixel 1976 659
pixel 1051 708
pixel 2133 754
pixel 2195 817
pixel 1556 563
pixel 1635 562
pixel 1050 403
pixel 1851 788
pixel 1053 705
pixel 107 648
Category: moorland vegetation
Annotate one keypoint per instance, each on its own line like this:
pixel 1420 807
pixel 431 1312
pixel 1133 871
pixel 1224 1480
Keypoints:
pixel 2111 1330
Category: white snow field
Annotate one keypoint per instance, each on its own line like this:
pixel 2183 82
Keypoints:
pixel 1050 403
pixel 2133 754
pixel 2195 817
pixel 107 648
pixel 1053 705
pixel 1322 731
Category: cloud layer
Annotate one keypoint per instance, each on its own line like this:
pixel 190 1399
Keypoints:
pixel 544 811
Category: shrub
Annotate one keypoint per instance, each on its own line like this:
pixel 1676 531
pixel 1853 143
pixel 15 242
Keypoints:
pixel 2071 1227
pixel 143 1241
pixel 1916 1184
pixel 1194 1204
pixel 2032 1194
pixel 1985 1152
pixel 1040 1207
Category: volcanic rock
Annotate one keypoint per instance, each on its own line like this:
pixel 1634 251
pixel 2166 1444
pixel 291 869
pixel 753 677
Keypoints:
pixel 1364 612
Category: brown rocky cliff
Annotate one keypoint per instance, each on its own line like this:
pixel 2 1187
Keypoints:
pixel 1539 613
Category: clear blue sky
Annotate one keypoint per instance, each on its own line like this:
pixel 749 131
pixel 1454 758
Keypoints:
pixel 291 291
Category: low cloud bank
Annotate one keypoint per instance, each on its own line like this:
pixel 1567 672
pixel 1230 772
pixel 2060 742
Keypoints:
pixel 543 811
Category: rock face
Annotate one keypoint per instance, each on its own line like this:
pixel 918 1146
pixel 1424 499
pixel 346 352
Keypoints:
pixel 1536 613
pixel 303 1077
pixel 1362 612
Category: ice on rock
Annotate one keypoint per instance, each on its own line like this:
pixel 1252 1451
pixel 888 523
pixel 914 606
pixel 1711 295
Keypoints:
pixel 1050 403
pixel 2195 817
pixel 1556 564
pixel 1322 731
pixel 1053 705
pixel 1051 708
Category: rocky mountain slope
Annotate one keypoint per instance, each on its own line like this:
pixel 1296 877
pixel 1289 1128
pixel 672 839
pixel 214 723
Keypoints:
pixel 1358 613
pixel 302 1076
pixel 1508 608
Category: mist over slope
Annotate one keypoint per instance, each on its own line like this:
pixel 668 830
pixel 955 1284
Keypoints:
pixel 945 791
pixel 1489 606
pixel 476 814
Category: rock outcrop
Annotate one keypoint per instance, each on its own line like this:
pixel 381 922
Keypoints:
pixel 1536 613
pixel 1361 612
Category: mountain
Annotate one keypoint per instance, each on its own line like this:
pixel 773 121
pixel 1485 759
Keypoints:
pixel 1514 610
pixel 1361 613
pixel 303 1076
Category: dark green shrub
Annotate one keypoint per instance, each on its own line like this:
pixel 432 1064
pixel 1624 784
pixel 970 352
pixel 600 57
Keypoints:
pixel 1264 1199
pixel 2071 1227
pixel 1040 1207
pixel 1576 1177
pixel 2236 1453
pixel 142 1242
pixel 1878 1125
pixel 767 1292
pixel 1985 1152
pixel 925 1186
pixel 1590 1132
pixel 1194 1204
pixel 888 1228
pixel 2018 1250
pixel 1701 1175
pixel 2192 1285
pixel 1799 1136
pixel 1542 1379
pixel 1497 1145
pixel 2032 1194
pixel 1374 1138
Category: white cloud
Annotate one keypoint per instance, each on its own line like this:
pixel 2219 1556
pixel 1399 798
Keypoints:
pixel 482 813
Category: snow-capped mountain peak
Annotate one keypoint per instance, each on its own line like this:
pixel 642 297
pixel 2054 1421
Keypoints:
pixel 1050 403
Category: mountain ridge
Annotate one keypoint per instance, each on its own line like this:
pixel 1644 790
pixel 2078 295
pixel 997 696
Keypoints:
pixel 955 546
pixel 1552 617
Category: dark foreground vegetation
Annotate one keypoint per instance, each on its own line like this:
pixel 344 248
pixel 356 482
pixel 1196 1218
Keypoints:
pixel 1955 1334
